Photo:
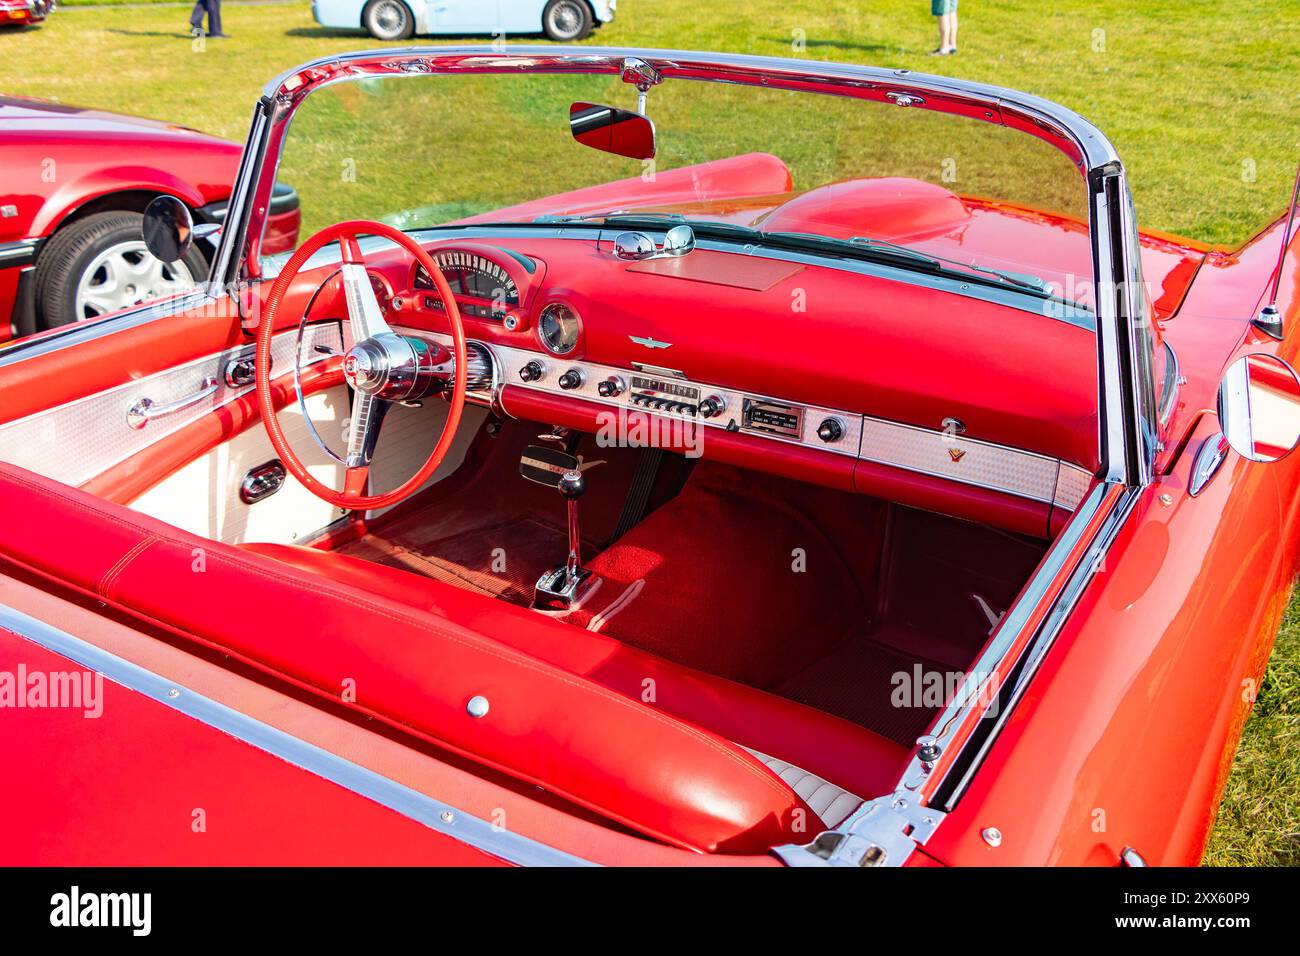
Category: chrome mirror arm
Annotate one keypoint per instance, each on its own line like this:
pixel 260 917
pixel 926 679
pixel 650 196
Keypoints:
pixel 1269 320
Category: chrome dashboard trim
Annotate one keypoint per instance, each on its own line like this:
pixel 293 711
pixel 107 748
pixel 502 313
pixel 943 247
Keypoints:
pixel 76 441
pixel 433 813
pixel 924 451
pixel 965 460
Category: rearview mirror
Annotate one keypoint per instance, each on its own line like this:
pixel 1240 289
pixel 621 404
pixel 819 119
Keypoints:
pixel 612 130
pixel 1259 407
pixel 168 228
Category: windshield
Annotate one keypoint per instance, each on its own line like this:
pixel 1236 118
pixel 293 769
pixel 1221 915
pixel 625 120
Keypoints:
pixel 762 165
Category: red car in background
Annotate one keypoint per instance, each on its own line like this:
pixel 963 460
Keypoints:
pixel 73 185
pixel 23 12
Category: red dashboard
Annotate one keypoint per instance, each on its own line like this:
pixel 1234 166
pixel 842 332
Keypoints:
pixel 843 376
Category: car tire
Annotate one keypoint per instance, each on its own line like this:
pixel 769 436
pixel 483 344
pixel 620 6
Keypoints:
pixel 388 19
pixel 97 265
pixel 567 20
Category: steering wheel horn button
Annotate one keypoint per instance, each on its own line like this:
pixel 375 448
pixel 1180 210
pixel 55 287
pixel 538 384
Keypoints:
pixel 397 368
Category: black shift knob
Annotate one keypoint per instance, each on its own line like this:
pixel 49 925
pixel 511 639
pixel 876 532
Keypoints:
pixel 572 484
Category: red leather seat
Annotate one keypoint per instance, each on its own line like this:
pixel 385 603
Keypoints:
pixel 569 710
pixel 833 749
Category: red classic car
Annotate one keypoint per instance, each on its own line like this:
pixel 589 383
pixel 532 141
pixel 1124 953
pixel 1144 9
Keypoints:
pixel 73 183
pixel 798 464
pixel 24 12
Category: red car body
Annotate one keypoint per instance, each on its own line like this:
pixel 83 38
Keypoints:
pixel 23 12
pixel 63 163
pixel 1116 750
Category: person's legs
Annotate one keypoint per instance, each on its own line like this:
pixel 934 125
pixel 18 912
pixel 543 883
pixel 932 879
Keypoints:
pixel 196 15
pixel 946 13
pixel 214 18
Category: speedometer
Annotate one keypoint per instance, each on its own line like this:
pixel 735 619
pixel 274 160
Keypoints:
pixel 482 288
pixel 559 328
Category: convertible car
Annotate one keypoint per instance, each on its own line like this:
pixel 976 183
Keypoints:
pixel 674 458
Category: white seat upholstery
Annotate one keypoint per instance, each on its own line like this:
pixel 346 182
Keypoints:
pixel 833 804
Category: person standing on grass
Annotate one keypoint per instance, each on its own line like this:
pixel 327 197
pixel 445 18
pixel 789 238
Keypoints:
pixel 213 10
pixel 946 11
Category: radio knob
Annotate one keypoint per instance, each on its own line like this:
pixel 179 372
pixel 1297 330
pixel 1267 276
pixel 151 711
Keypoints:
pixel 831 429
pixel 531 372
pixel 612 387
pixel 571 379
pixel 712 406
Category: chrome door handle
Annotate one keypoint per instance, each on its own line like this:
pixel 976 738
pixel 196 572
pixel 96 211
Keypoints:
pixel 146 410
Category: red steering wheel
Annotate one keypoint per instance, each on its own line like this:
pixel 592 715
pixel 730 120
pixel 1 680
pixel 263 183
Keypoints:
pixel 381 365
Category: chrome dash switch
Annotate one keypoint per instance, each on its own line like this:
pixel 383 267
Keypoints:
pixel 240 372
pixel 262 482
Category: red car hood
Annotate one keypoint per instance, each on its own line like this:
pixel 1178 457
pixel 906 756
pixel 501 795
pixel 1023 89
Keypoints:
pixel 756 189
pixel 22 112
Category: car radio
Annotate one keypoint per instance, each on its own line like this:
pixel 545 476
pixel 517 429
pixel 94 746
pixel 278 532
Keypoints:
pixel 775 418
pixel 661 395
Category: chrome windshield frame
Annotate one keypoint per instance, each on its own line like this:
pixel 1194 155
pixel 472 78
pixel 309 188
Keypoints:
pixel 1127 416
pixel 1127 422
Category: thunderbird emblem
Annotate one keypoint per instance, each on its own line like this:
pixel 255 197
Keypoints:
pixel 956 454
pixel 649 342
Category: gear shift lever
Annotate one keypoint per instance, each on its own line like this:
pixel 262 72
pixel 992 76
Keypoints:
pixel 559 588
pixel 571 486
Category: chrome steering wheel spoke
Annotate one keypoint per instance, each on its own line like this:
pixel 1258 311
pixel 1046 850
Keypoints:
pixel 367 418
pixel 365 317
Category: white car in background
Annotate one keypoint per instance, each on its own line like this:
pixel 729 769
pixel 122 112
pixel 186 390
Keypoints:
pixel 561 20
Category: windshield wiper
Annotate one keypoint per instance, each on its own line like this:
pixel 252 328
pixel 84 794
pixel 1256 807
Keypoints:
pixel 858 247
pixel 1021 280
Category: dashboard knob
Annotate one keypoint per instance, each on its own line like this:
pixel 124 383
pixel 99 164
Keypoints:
pixel 612 387
pixel 571 379
pixel 831 429
pixel 712 406
pixel 531 372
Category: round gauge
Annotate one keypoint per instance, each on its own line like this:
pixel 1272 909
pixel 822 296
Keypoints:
pixel 559 328
pixel 483 289
pixel 381 290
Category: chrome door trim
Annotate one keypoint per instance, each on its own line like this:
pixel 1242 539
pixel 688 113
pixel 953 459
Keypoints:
pixel 78 440
pixel 81 332
pixel 433 813
pixel 949 789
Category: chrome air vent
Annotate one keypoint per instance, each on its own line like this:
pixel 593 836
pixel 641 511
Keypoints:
pixel 479 374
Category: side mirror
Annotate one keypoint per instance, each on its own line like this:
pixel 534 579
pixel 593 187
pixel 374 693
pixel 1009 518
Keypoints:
pixel 612 130
pixel 1259 407
pixel 168 228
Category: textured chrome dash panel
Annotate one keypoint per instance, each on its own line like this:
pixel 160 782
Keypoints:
pixel 960 459
pixel 75 442
pixel 1071 485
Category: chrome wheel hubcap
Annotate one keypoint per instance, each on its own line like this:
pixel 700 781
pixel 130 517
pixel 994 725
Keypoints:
pixel 124 275
pixel 387 17
pixel 565 19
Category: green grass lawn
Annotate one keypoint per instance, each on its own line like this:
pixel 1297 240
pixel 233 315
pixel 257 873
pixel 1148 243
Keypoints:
pixel 1201 101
